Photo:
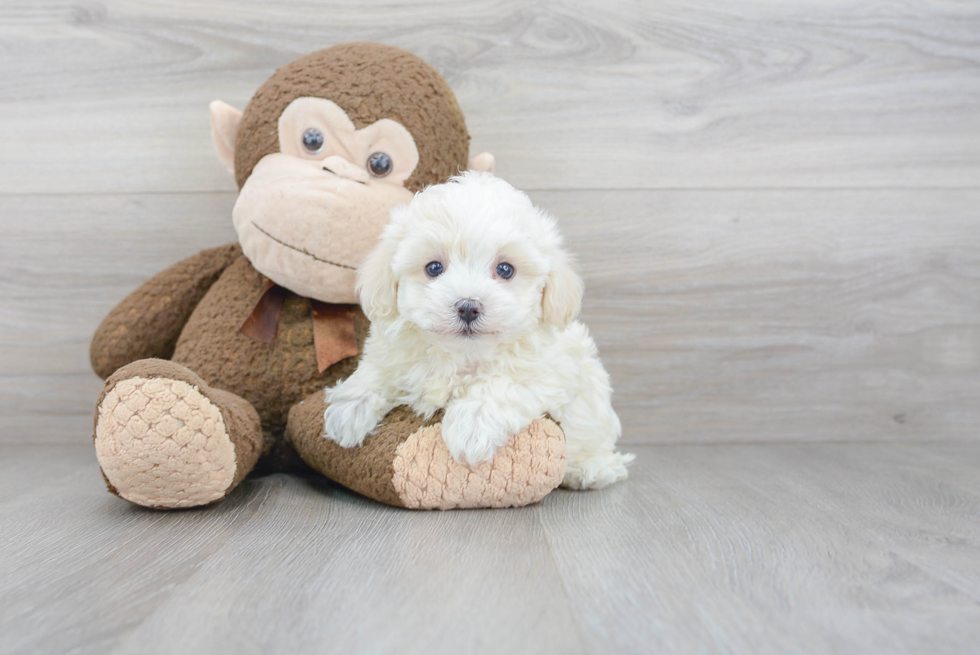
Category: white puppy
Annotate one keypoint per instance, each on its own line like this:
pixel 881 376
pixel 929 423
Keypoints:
pixel 472 299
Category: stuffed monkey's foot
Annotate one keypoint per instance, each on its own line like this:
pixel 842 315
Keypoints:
pixel 166 440
pixel 406 463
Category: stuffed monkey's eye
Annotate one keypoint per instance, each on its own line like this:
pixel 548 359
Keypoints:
pixel 434 269
pixel 505 270
pixel 379 164
pixel 313 140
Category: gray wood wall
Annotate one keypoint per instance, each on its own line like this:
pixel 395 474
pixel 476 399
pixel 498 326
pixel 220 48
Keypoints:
pixel 776 204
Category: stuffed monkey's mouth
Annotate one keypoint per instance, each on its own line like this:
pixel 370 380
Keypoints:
pixel 300 250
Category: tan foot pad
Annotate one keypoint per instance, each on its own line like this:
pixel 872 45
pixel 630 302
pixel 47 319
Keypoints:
pixel 163 444
pixel 522 472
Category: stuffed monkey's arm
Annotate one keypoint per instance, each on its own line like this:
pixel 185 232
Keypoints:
pixel 149 321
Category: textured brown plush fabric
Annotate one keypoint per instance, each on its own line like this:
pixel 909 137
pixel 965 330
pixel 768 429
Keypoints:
pixel 369 81
pixel 368 470
pixel 274 376
pixel 149 321
pixel 241 421
pixel 406 463
pixel 244 427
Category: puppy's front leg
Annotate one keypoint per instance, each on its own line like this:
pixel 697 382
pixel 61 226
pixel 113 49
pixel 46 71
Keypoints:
pixel 357 405
pixel 476 425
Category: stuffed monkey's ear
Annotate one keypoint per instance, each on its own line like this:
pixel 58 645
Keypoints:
pixel 224 129
pixel 377 286
pixel 561 299
pixel 483 163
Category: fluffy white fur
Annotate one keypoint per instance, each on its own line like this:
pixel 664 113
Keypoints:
pixel 524 356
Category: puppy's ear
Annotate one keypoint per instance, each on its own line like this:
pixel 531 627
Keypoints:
pixel 562 296
pixel 377 286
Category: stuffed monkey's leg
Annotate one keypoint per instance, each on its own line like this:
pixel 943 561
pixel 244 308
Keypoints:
pixel 165 439
pixel 406 463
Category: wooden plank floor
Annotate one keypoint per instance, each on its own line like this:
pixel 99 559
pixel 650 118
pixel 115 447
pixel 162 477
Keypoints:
pixel 812 548
pixel 776 208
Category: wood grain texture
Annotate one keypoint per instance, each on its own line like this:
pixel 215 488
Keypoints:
pixel 112 96
pixel 746 316
pixel 722 315
pixel 64 262
pixel 285 566
pixel 778 548
pixel 817 548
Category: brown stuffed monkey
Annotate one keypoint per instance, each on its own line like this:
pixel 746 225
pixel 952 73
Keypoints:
pixel 218 365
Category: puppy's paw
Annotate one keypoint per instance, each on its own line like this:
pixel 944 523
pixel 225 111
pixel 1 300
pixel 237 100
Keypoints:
pixel 472 433
pixel 348 420
pixel 596 470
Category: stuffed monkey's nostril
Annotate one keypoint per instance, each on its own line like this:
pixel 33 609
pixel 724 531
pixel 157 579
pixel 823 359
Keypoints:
pixel 468 310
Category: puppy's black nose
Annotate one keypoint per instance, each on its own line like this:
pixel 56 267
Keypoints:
pixel 468 310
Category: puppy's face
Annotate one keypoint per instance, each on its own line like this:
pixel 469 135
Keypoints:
pixel 469 260
pixel 465 278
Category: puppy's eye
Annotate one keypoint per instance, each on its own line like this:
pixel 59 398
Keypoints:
pixel 434 269
pixel 313 140
pixel 505 270
pixel 379 164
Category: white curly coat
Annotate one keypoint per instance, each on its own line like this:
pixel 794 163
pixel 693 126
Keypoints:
pixel 523 356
